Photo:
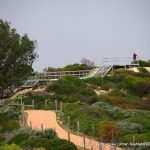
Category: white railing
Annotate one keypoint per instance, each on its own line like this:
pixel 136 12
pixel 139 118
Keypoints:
pixel 117 60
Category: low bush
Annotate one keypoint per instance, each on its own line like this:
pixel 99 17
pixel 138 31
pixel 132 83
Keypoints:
pixel 143 63
pixel 145 137
pixel 72 67
pixel 7 124
pixel 72 89
pixel 143 70
pixel 108 86
pixel 19 138
pixel 66 85
pixel 98 81
pixel 48 144
pixel 47 133
pixel 109 131
pixel 136 84
pixel 10 147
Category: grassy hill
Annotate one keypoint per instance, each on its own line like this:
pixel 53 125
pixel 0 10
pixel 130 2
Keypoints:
pixel 115 107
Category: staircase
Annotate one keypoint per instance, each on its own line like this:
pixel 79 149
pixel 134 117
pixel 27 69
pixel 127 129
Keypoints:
pixel 103 70
pixel 30 83
pixel 99 71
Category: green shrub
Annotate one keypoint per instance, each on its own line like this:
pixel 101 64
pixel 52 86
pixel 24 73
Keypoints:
pixel 98 81
pixel 108 86
pixel 7 124
pixel 10 147
pixel 47 133
pixel 143 70
pixel 72 89
pixel 19 138
pixel 145 137
pixel 143 63
pixel 130 127
pixel 138 86
pixel 1 139
pixel 66 85
pixel 77 67
pixel 49 144
pixel 72 67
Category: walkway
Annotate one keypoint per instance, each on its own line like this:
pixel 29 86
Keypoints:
pixel 48 119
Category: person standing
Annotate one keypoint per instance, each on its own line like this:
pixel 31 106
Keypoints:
pixel 134 56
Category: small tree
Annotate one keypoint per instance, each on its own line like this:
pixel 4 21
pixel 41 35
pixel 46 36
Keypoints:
pixel 87 62
pixel 109 131
pixel 16 56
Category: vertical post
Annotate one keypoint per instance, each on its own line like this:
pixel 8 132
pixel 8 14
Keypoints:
pixel 3 102
pixel 133 139
pixel 46 103
pixel 100 146
pixel 42 127
pixel 32 104
pixel 21 101
pixel 62 117
pixel 60 110
pixel 61 107
pixel 68 136
pixel 78 126
pixel 91 146
pixel 84 143
pixel 22 114
pixel 93 129
pixel 68 123
pixel 30 124
pixel 114 146
pixel 56 104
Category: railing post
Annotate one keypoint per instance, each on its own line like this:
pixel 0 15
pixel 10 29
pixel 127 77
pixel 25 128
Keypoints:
pixel 21 101
pixel 56 105
pixel 32 104
pixel 68 136
pixel 30 124
pixel 84 144
pixel 68 123
pixel 78 126
pixel 62 117
pixel 22 114
pixel 93 130
pixel 61 107
pixel 46 103
pixel 42 127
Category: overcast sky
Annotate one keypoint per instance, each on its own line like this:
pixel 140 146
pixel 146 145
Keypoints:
pixel 67 30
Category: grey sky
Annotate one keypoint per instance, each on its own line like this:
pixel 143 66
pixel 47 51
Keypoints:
pixel 67 30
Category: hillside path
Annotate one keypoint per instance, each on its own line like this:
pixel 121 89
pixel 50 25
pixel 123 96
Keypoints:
pixel 48 119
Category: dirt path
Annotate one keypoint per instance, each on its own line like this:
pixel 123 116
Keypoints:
pixel 48 119
pixel 20 93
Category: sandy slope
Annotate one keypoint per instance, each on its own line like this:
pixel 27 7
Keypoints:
pixel 48 119
pixel 20 93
